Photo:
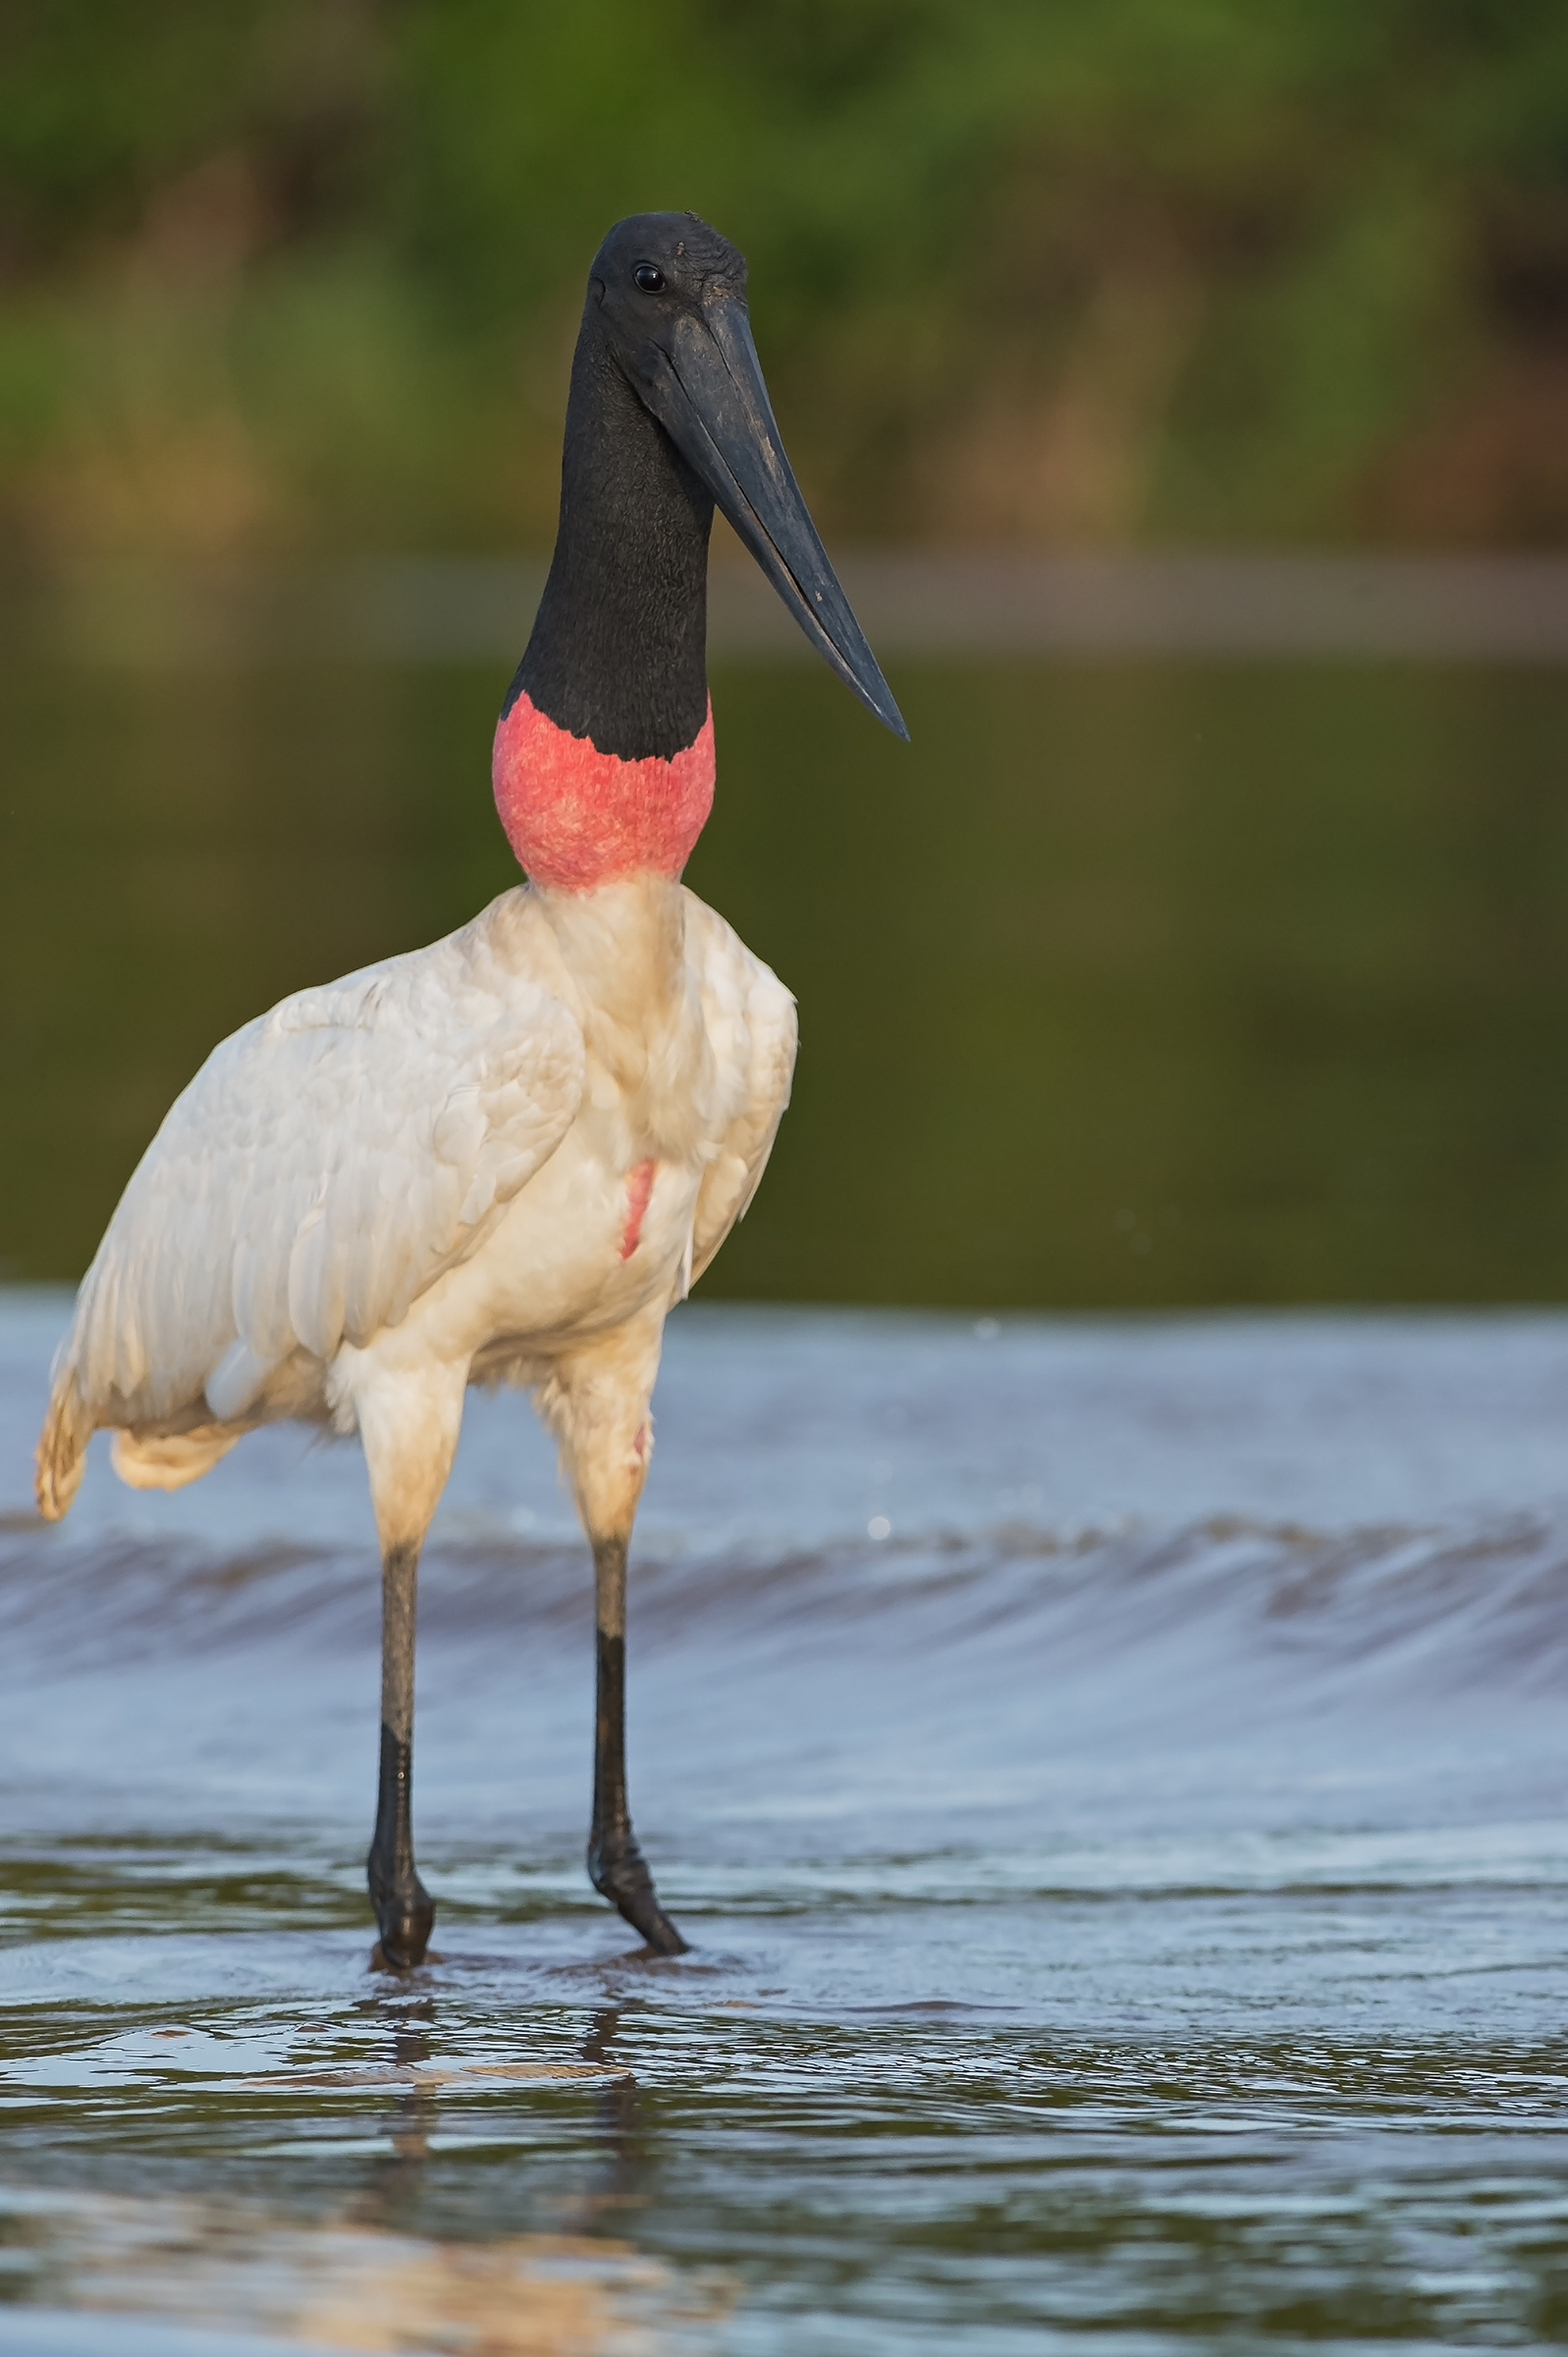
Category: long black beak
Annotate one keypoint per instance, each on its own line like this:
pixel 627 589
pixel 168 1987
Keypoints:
pixel 707 393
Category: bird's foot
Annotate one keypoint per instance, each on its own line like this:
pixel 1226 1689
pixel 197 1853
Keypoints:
pixel 406 1915
pixel 619 1871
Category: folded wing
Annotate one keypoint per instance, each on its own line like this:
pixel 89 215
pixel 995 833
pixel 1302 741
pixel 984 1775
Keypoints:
pixel 320 1172
pixel 750 1020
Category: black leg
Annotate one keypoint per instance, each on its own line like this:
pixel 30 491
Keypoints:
pixel 615 1865
pixel 404 1912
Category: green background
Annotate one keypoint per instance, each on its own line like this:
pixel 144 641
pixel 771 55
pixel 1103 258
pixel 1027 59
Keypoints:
pixel 282 273
pixel 1118 985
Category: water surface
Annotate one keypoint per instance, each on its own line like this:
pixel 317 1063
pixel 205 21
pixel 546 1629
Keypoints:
pixel 1122 984
pixel 1111 1772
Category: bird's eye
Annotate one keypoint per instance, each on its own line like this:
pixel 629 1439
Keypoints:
pixel 649 279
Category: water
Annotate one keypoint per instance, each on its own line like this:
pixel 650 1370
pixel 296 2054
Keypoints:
pixel 1125 984
pixel 1111 1772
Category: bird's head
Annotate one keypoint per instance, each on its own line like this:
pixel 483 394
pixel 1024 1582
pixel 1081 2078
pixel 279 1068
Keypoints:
pixel 670 295
pixel 654 270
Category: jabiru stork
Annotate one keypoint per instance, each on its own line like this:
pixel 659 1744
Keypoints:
pixel 504 1157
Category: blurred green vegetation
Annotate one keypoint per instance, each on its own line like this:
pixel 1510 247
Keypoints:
pixel 292 273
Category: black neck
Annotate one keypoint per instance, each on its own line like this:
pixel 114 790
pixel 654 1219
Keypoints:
pixel 618 646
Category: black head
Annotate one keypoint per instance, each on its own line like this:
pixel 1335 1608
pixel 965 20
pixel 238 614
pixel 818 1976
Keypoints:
pixel 665 321
pixel 652 269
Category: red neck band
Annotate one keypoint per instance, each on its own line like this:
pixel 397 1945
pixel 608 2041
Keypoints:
pixel 577 817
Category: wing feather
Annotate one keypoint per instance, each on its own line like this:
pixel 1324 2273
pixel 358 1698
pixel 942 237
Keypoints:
pixel 323 1168
pixel 751 1025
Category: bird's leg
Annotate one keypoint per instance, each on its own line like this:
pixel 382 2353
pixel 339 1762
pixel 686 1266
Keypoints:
pixel 404 1912
pixel 615 1865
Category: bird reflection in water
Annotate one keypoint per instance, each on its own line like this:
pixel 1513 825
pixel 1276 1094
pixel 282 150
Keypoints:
pixel 393 2197
pixel 621 2164
pixel 622 2176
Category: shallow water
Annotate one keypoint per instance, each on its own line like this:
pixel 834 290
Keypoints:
pixel 1111 1772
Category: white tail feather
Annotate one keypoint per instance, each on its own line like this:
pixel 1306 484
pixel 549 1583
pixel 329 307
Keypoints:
pixel 61 1457
pixel 169 1460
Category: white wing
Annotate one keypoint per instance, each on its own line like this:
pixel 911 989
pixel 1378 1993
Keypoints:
pixel 321 1169
pixel 750 1020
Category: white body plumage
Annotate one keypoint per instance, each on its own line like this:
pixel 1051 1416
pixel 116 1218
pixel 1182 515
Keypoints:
pixel 502 1158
